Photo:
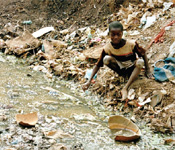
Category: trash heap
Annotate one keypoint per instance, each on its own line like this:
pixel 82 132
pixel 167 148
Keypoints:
pixel 71 53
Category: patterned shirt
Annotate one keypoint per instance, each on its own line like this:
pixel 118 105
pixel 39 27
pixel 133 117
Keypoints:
pixel 125 55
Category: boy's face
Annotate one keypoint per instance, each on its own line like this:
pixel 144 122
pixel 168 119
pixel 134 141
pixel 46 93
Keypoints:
pixel 116 35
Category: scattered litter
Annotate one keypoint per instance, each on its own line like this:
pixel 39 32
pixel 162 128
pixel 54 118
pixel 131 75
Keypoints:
pixel 167 72
pixel 123 124
pixel 69 30
pixel 172 50
pixel 42 31
pixel 168 28
pixel 167 5
pixel 160 34
pixel 9 28
pixel 149 22
pixel 134 33
pixel 27 120
pixel 29 22
pixel 40 68
pixel 133 118
pixel 57 134
pixel 52 57
pixel 143 20
pixel 131 94
pixel 93 52
pixel 88 74
pixel 103 34
pixel 142 97
pixel 156 98
pixel 22 44
pixel 142 103
pixel 50 49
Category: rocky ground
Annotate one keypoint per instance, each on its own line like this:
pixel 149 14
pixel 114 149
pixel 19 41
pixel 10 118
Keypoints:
pixel 74 47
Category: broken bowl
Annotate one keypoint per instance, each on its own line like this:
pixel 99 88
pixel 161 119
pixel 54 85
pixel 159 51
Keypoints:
pixel 27 120
pixel 130 131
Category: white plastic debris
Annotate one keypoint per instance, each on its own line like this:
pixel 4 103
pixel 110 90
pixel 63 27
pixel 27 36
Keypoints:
pixel 167 28
pixel 148 100
pixel 82 29
pixel 172 50
pixel 70 36
pixel 88 74
pixel 149 21
pixel 40 68
pixel 167 5
pixel 101 33
pixel 143 20
pixel 131 94
pixel 142 97
pixel 164 92
pixel 156 98
pixel 134 32
pixel 42 31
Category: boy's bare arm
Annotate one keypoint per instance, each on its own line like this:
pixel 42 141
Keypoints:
pixel 147 68
pixel 95 70
pixel 88 83
pixel 142 53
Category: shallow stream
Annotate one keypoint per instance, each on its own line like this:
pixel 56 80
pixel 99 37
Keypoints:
pixel 60 106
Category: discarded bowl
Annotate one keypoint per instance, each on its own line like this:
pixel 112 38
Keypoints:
pixel 123 124
pixel 27 120
pixel 156 98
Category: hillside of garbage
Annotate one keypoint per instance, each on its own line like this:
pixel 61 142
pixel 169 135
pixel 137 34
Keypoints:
pixel 65 39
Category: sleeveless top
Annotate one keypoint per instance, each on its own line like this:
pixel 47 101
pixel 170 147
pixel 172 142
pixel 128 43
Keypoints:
pixel 125 55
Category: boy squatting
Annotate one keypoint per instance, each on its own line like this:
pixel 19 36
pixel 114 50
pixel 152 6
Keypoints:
pixel 121 56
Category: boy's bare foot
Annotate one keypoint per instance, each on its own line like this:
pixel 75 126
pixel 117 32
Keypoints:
pixel 124 93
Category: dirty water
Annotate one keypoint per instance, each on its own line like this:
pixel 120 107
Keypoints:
pixel 77 114
pixel 124 132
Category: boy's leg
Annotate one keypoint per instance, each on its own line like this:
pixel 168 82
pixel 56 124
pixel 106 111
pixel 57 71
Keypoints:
pixel 138 66
pixel 112 63
pixel 133 76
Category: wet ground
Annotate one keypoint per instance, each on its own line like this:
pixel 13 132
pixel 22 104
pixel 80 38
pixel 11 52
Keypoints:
pixel 62 107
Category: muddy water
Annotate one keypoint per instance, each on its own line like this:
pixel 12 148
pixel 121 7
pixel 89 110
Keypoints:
pixel 77 114
pixel 26 89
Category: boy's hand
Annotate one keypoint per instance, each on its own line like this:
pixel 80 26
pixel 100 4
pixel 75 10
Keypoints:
pixel 86 86
pixel 149 74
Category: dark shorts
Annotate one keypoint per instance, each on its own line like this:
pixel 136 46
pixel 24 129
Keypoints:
pixel 125 72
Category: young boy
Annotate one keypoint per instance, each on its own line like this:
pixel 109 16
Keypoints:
pixel 121 56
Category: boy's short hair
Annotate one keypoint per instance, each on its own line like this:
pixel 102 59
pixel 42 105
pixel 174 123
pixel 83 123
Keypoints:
pixel 115 24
